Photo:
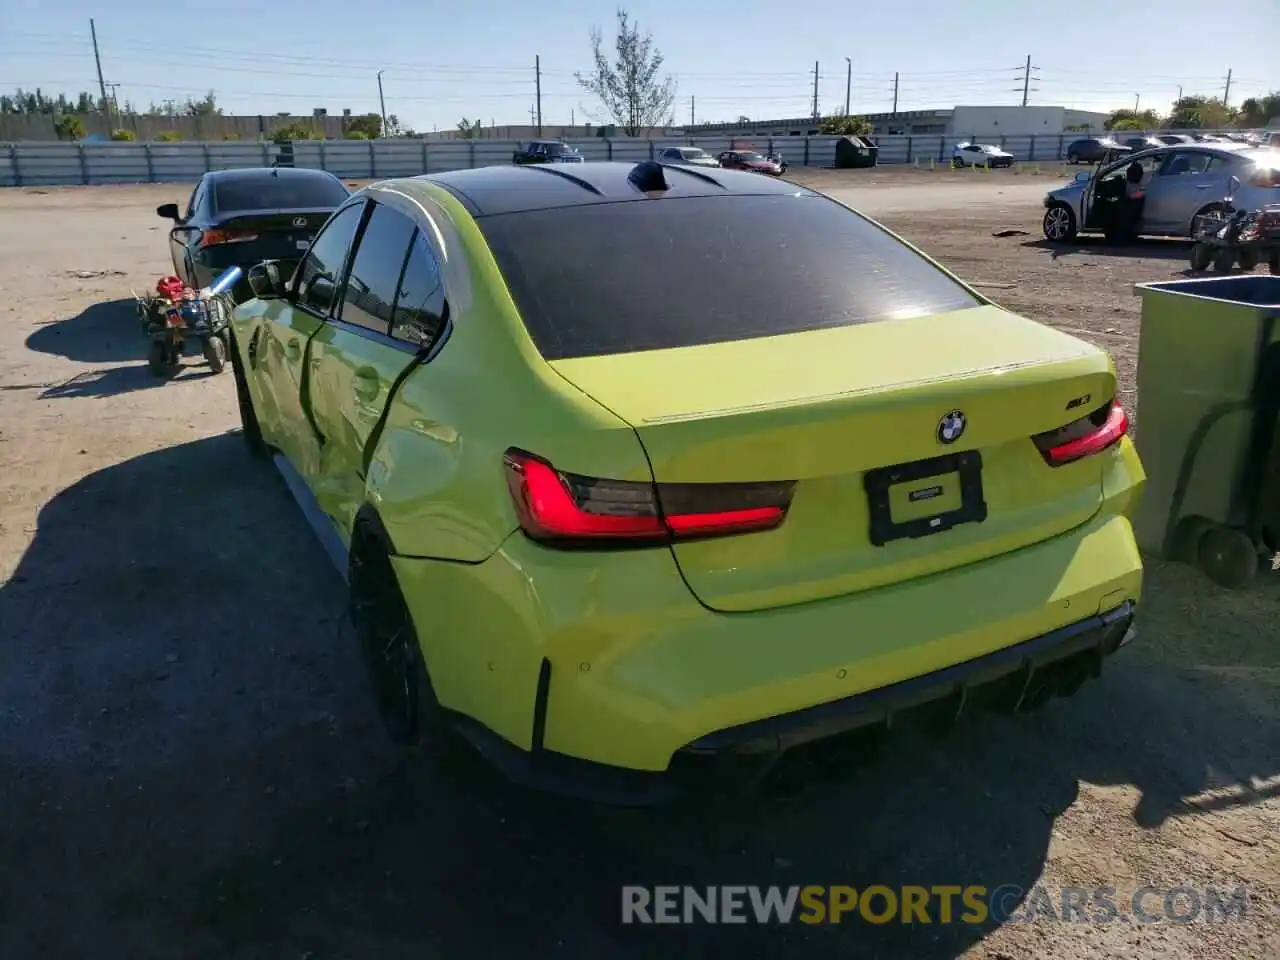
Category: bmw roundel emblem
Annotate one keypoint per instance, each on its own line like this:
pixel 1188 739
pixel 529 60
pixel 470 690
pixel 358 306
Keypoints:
pixel 951 427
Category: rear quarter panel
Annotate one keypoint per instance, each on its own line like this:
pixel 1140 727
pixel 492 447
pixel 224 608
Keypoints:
pixel 436 476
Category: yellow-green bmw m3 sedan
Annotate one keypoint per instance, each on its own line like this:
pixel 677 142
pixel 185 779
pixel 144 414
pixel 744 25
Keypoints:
pixel 642 474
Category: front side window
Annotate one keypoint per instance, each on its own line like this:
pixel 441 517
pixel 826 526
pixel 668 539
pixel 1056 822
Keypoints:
pixel 375 270
pixel 320 272
pixel 641 275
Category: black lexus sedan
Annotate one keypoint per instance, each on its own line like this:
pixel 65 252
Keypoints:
pixel 241 217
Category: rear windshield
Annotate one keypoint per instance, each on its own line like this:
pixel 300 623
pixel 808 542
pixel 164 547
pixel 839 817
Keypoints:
pixel 268 192
pixel 645 275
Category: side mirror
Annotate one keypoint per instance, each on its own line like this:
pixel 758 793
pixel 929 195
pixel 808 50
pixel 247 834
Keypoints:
pixel 1083 176
pixel 266 282
pixel 169 211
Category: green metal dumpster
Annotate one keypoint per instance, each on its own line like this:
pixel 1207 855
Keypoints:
pixel 1208 408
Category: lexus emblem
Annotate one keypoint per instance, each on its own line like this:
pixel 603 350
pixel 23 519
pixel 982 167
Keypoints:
pixel 299 221
pixel 951 427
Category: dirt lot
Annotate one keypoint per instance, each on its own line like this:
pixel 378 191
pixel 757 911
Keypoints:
pixel 189 766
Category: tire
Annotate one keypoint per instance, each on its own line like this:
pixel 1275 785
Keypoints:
pixel 1059 224
pixel 1211 208
pixel 249 427
pixel 957 163
pixel 215 352
pixel 162 360
pixel 1224 260
pixel 1228 557
pixel 1248 261
pixel 1201 257
pixel 1072 158
pixel 402 690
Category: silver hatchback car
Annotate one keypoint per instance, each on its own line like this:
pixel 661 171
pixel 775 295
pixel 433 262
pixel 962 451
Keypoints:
pixel 1179 182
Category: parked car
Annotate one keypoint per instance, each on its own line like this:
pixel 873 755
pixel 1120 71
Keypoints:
pixel 692 156
pixel 1142 143
pixel 1180 183
pixel 546 151
pixel 1094 149
pixel 980 155
pixel 240 217
pixel 750 161
pixel 623 485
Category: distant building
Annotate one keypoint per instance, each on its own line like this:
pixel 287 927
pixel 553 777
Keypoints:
pixel 960 121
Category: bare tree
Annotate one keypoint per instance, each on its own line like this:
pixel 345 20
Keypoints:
pixel 629 87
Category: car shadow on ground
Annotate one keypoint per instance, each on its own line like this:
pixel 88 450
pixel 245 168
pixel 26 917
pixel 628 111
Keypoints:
pixel 107 332
pixel 1145 249
pixel 117 380
pixel 191 764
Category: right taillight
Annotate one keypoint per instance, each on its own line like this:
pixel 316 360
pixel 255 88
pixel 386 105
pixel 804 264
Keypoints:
pixel 568 509
pixel 1085 437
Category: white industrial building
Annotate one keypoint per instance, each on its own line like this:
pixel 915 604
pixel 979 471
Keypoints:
pixel 960 122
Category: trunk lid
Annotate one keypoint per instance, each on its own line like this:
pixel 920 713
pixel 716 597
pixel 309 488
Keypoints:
pixel 280 234
pixel 828 409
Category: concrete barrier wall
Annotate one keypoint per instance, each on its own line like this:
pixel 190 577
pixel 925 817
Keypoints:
pixel 54 164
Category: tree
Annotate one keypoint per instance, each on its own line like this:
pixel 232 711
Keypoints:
pixel 69 127
pixel 629 87
pixel 394 129
pixel 845 127
pixel 1132 120
pixel 297 130
pixel 206 106
pixel 1196 112
pixel 1259 111
pixel 468 130
pixel 168 136
pixel 369 126
pixel 123 134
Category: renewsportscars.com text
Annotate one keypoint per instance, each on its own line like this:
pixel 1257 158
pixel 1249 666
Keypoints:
pixel 942 904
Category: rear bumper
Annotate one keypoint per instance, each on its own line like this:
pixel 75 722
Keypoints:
pixel 578 672
pixel 1021 677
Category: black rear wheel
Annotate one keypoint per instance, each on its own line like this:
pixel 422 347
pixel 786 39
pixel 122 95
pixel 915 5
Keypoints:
pixel 1201 256
pixel 1229 557
pixel 402 690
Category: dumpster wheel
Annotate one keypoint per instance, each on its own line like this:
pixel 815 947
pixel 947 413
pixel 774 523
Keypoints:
pixel 1228 557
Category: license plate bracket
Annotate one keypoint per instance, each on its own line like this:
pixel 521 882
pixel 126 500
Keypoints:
pixel 967 466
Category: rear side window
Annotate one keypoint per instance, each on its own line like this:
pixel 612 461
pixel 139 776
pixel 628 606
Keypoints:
pixel 288 192
pixel 647 275
pixel 376 268
pixel 419 312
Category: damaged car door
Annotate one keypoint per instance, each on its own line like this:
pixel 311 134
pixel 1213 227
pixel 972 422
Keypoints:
pixel 373 339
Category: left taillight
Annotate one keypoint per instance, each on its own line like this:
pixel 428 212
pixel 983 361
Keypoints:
pixel 561 508
pixel 1101 429
pixel 211 238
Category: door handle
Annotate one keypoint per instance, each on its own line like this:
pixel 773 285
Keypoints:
pixel 292 350
pixel 365 384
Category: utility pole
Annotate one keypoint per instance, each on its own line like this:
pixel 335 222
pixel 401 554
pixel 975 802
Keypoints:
pixel 573 117
pixel 895 94
pixel 1137 98
pixel 848 83
pixel 1226 94
pixel 382 103
pixel 1026 81
pixel 693 113
pixel 98 60
pixel 537 79
pixel 533 113
pixel 1179 93
pixel 815 89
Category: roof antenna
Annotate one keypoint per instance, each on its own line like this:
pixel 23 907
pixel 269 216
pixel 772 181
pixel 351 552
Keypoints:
pixel 649 176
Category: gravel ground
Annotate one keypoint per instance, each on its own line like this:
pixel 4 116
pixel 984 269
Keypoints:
pixel 189 765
